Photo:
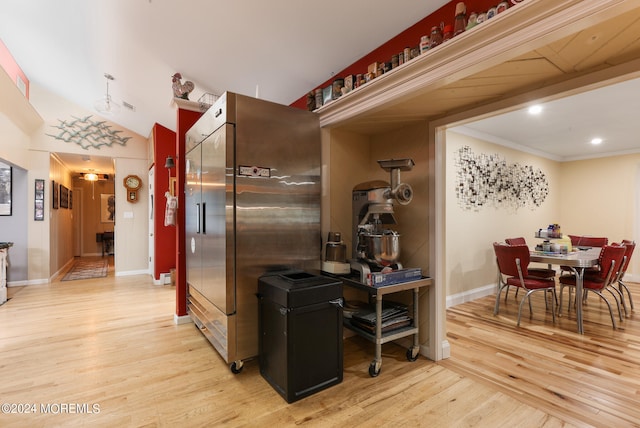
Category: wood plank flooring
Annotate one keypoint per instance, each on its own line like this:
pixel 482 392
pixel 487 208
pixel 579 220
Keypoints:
pixel 592 379
pixel 112 343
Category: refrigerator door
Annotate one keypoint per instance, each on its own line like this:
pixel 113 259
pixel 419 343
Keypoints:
pixel 218 215
pixel 277 189
pixel 277 201
pixel 193 203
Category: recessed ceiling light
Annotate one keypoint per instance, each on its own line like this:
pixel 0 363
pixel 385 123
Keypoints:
pixel 536 109
pixel 596 141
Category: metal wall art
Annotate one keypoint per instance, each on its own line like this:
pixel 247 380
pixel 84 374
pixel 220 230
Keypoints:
pixel 487 180
pixel 88 133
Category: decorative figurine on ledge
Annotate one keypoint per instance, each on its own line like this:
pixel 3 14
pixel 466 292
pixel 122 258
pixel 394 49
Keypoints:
pixel 181 90
pixel 311 101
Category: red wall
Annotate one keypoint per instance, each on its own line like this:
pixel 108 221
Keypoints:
pixel 186 119
pixel 11 66
pixel 165 236
pixel 409 37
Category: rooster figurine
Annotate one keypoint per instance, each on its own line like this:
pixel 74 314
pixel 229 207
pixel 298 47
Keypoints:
pixel 181 90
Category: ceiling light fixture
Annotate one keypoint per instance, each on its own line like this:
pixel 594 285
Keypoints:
pixel 596 141
pixel 535 109
pixel 92 177
pixel 105 104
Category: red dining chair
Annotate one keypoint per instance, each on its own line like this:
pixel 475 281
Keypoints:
pixel 585 241
pixel 588 241
pixel 611 258
pixel 541 272
pixel 513 263
pixel 630 247
pixel 619 292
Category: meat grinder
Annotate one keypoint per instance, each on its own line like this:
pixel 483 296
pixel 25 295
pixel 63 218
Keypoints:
pixel 376 248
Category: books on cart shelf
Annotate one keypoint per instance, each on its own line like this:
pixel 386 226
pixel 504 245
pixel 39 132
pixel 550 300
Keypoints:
pixel 394 315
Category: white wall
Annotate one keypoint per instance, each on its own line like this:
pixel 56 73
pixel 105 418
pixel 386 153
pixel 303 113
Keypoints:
pixel 17 120
pixel 61 220
pixel 132 220
pixel 470 233
pixel 14 143
pixel 600 197
pixel 39 236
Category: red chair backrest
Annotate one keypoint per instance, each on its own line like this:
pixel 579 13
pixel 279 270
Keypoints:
pixel 588 241
pixel 630 246
pixel 516 241
pixel 506 256
pixel 574 239
pixel 610 257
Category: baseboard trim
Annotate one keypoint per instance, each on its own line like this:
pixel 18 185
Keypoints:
pixel 133 272
pixel 471 295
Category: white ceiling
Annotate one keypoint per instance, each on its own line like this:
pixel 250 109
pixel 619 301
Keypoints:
pixel 278 49
pixel 564 129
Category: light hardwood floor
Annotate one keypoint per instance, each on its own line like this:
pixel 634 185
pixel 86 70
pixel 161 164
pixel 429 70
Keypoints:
pixel 112 343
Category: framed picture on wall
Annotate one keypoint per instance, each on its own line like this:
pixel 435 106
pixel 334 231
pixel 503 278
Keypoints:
pixel 107 208
pixel 38 213
pixel 64 197
pixel 54 195
pixel 5 189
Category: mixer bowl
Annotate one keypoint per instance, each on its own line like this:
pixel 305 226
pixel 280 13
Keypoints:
pixel 381 247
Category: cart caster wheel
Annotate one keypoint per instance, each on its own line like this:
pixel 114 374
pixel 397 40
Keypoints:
pixel 412 354
pixel 236 367
pixel 374 369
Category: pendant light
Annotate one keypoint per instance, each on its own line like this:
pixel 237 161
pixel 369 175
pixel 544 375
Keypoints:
pixel 92 177
pixel 106 105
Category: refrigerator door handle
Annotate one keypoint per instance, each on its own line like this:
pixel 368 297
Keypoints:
pixel 198 218
pixel 204 218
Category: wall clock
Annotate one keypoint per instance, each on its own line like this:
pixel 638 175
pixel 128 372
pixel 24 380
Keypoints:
pixel 132 183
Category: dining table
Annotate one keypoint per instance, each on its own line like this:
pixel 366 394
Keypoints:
pixel 578 260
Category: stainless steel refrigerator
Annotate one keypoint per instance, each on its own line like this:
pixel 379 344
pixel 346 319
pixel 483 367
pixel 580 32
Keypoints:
pixel 252 201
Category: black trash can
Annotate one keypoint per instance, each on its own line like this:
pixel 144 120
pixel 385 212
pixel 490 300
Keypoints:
pixel 300 343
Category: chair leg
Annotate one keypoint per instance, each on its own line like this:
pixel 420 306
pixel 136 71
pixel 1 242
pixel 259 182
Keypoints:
pixel 619 301
pixel 560 303
pixel 613 319
pixel 622 286
pixel 496 308
pixel 569 300
pixel 528 298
